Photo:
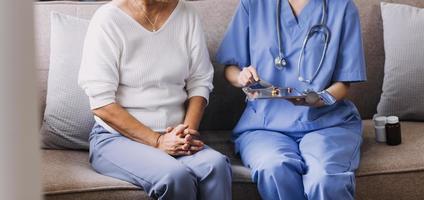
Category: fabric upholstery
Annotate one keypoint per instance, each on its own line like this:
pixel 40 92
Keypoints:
pixel 215 18
pixel 379 158
pixel 385 172
pixel 121 194
pixel 216 14
pixel 42 36
pixel 372 31
pixel 74 177
pixel 407 185
pixel 68 173
pixel 67 118
pixel 403 86
pixel 375 158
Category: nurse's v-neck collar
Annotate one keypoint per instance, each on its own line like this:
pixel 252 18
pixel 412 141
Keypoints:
pixel 301 20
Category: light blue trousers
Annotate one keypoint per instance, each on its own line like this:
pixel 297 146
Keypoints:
pixel 318 165
pixel 204 175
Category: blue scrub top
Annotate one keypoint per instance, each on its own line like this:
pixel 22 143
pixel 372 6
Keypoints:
pixel 252 40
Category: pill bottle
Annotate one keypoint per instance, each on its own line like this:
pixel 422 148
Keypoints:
pixel 393 131
pixel 380 128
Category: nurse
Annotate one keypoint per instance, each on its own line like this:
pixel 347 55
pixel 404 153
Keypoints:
pixel 298 150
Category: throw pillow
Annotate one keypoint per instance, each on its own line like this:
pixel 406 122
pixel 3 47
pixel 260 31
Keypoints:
pixel 67 119
pixel 403 86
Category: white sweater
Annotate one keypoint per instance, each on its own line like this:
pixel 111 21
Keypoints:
pixel 150 74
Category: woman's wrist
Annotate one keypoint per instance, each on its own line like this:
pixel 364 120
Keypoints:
pixel 191 124
pixel 158 140
pixel 194 113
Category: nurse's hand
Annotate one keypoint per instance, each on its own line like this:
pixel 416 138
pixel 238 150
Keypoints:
pixel 248 76
pixel 302 102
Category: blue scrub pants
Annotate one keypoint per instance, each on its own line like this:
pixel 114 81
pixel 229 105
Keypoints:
pixel 318 165
pixel 204 175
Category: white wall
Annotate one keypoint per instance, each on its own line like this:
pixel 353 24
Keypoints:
pixel 19 146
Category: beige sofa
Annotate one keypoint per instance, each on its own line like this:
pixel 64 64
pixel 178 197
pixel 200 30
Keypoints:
pixel 385 172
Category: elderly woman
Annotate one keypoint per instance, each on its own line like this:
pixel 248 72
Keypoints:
pixel 147 73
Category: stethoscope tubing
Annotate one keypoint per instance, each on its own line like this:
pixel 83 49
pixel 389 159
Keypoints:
pixel 322 27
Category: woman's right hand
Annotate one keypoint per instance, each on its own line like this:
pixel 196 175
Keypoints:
pixel 174 141
pixel 247 76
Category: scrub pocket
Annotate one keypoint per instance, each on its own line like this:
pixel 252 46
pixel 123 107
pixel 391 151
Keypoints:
pixel 251 119
pixel 336 115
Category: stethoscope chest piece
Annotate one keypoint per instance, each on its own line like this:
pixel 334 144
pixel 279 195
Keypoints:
pixel 280 62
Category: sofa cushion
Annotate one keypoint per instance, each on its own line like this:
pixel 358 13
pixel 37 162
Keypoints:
pixel 391 186
pixel 372 32
pixel 379 158
pixel 67 119
pixel 376 158
pixel 392 172
pixel 68 173
pixel 42 11
pixel 403 86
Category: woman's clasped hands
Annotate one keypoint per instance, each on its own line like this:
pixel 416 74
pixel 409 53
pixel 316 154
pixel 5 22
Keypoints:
pixel 180 141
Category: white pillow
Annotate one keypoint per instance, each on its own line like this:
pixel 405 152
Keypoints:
pixel 67 119
pixel 403 86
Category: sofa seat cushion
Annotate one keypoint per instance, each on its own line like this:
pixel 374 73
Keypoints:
pixel 383 159
pixel 68 172
pixel 376 158
pixel 68 175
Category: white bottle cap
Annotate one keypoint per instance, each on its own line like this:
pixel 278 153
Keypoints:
pixel 380 121
pixel 392 120
pixel 375 115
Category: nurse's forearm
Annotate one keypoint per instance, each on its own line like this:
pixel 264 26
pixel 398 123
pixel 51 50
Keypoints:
pixel 339 90
pixel 195 108
pixel 231 74
pixel 123 122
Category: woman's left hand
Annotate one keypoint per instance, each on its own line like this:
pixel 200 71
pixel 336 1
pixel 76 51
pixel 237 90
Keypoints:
pixel 192 138
pixel 194 144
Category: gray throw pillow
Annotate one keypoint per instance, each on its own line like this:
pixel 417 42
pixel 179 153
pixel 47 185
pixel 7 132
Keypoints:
pixel 403 87
pixel 67 119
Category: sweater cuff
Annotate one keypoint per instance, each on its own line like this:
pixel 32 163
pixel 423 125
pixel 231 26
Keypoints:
pixel 200 91
pixel 101 100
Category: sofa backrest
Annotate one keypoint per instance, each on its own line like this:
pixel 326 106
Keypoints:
pixel 227 103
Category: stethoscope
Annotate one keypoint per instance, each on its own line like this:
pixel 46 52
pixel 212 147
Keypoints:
pixel 281 61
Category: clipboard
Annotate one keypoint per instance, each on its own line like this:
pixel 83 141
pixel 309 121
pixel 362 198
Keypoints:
pixel 264 90
pixel 273 93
